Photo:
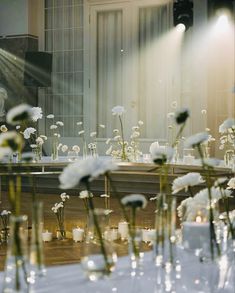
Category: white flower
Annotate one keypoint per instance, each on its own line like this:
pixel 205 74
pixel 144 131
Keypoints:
pixel 44 137
pixel 3 128
pixel 28 131
pixel 109 151
pixel 196 140
pixel 117 137
pixel 135 201
pixel 36 113
pixel 108 141
pixel 53 126
pixel 140 122
pixel 153 146
pixel 19 114
pixel 64 148
pixel 79 123
pixel 226 125
pixel 50 116
pixel 220 181
pixel 81 132
pixel 231 183
pixel 59 123
pixel 85 194
pixel 135 134
pixel 5 213
pixel 161 155
pixel 59 146
pixel 76 148
pixel 190 179
pixel 116 131
pixel 93 134
pixel 17 127
pixel 104 195
pixel 184 208
pixel 57 135
pixel 170 115
pixel 64 196
pixel 102 126
pixel 118 110
pixel 135 128
pixel 84 170
pixel 33 146
pixel 39 141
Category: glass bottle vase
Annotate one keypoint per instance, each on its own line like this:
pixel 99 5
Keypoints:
pixel 36 260
pixel 98 258
pixel 16 266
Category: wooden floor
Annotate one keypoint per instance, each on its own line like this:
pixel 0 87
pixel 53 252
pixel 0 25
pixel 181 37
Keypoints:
pixel 60 252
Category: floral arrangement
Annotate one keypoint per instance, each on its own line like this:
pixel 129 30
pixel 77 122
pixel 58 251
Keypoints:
pixel 58 210
pixel 227 139
pixel 120 148
pixel 54 127
pixel 83 172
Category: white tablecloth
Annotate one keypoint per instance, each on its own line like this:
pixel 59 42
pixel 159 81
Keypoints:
pixel 194 277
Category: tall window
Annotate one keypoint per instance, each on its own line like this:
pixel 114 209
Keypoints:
pixel 64 39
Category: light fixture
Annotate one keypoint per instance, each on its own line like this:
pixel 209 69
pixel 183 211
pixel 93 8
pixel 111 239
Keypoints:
pixel 183 13
pixel 222 4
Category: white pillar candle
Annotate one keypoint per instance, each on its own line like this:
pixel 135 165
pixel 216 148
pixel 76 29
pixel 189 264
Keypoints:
pixel 78 234
pixel 46 236
pixel 123 230
pixel 188 159
pixel 196 235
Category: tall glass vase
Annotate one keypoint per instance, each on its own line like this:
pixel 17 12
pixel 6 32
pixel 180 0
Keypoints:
pixel 16 267
pixel 55 151
pixel 37 268
pixel 98 258
pixel 165 248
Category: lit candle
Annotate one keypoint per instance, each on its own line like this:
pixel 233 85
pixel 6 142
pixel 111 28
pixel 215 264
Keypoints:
pixel 46 236
pixel 111 234
pixel 123 230
pixel 196 235
pixel 78 234
pixel 148 235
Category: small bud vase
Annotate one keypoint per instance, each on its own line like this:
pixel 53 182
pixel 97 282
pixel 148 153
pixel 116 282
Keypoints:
pixel 37 268
pixel 16 267
pixel 98 258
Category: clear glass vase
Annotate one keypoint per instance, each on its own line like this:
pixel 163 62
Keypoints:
pixel 135 249
pixel 98 258
pixel 165 225
pixel 16 266
pixel 37 153
pixel 36 260
pixel 55 151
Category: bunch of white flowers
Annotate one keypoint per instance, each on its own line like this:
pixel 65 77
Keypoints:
pixel 64 196
pixel 186 181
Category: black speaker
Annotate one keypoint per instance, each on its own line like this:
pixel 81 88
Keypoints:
pixel 37 69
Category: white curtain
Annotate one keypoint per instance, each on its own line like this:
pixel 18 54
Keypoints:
pixel 109 67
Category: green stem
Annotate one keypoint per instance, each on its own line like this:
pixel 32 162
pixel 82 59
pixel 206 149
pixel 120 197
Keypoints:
pixel 97 227
pixel 123 141
pixel 211 214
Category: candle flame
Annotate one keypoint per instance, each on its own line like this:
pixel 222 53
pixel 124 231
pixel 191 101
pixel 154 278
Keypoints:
pixel 198 219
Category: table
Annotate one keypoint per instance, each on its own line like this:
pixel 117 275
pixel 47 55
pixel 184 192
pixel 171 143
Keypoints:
pixel 194 278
